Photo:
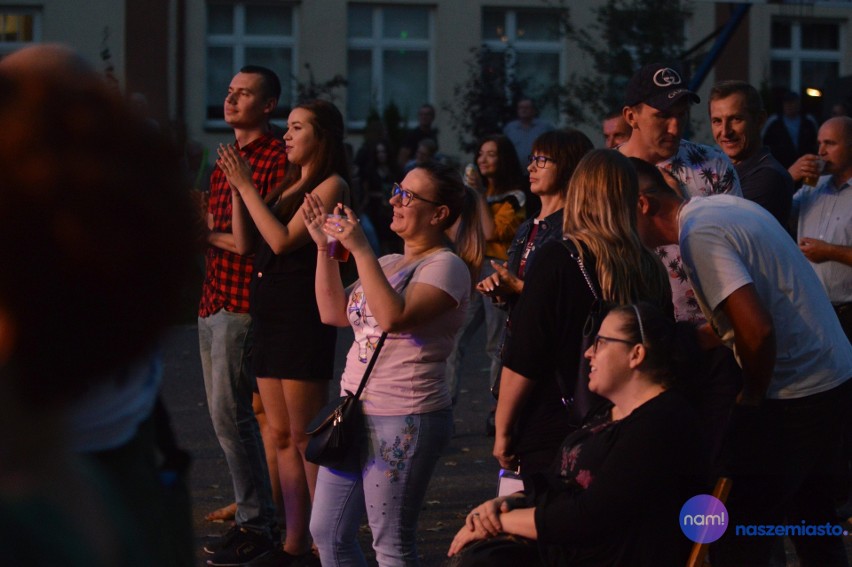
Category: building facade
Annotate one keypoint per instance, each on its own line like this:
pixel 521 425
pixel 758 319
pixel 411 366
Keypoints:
pixel 181 54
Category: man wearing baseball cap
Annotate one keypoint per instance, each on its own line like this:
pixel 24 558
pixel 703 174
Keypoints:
pixel 656 106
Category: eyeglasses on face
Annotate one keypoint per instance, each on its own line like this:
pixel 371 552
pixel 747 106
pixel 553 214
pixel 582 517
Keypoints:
pixel 406 196
pixel 540 161
pixel 602 339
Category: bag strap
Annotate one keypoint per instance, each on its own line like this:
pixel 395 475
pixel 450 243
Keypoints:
pixel 579 259
pixel 588 326
pixel 381 342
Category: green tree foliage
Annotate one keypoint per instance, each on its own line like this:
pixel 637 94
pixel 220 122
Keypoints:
pixel 312 89
pixel 485 102
pixel 627 34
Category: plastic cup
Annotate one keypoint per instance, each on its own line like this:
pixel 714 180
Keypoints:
pixel 812 180
pixel 335 249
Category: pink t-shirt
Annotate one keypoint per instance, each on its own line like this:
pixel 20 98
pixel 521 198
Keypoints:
pixel 408 377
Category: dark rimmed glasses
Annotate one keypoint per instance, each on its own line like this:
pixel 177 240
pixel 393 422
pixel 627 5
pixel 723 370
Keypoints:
pixel 406 196
pixel 601 338
pixel 540 161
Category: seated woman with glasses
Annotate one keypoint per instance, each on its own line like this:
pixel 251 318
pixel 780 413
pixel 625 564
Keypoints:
pixel 614 493
pixel 406 401
pixel 542 353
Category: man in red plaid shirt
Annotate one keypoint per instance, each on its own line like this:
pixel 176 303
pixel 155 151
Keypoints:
pixel 224 322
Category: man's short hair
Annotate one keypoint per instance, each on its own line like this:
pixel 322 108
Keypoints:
pixel 655 174
pixel 271 84
pixel 724 89
pixel 614 113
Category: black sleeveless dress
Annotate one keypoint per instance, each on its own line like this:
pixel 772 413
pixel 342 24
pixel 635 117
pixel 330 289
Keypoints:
pixel 290 341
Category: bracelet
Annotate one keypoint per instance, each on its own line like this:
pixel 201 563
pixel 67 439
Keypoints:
pixel 322 249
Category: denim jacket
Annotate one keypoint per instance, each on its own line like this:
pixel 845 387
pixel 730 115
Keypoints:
pixel 549 228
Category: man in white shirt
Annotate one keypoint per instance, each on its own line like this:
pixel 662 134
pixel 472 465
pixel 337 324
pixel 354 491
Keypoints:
pixel 823 215
pixel 762 300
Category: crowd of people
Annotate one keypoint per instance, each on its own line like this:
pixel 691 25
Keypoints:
pixel 714 299
pixel 659 313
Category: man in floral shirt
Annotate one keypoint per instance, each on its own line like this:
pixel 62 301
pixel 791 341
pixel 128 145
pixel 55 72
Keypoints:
pixel 657 107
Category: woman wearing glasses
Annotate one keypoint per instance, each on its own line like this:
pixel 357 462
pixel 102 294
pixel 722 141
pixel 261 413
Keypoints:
pixel 613 494
pixel 499 184
pixel 555 157
pixel 545 333
pixel 406 402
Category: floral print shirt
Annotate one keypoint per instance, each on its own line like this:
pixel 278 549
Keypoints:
pixel 702 171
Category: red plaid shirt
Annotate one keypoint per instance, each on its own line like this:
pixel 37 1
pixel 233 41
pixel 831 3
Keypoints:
pixel 226 282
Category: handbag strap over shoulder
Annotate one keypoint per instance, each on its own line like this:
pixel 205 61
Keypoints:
pixel 575 394
pixel 579 259
pixel 381 343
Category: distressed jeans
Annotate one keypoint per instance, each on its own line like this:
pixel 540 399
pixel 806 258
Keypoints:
pixel 399 454
pixel 224 339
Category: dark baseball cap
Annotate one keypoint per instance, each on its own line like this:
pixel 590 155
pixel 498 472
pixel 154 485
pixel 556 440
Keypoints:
pixel 657 85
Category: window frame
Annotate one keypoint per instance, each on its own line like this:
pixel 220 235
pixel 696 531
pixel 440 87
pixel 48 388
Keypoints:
pixel 7 47
pixel 796 54
pixel 519 45
pixel 239 41
pixel 377 45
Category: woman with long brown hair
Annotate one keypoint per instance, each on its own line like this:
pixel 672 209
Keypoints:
pixel 293 351
pixel 499 187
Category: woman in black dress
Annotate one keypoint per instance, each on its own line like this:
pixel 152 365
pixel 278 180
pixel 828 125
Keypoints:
pixel 293 351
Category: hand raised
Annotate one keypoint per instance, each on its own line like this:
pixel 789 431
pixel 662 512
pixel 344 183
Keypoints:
pixel 236 169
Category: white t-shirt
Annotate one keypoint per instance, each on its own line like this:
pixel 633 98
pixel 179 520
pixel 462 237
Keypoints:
pixel 728 242
pixel 409 375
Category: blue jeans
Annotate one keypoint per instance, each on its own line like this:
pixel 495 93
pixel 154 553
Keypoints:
pixel 399 454
pixel 480 310
pixel 224 339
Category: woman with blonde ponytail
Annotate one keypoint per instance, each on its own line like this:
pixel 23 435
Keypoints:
pixel 544 338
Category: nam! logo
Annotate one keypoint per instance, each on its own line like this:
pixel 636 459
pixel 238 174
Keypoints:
pixel 703 519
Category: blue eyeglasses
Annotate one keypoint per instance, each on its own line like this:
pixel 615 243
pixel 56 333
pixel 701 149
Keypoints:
pixel 406 196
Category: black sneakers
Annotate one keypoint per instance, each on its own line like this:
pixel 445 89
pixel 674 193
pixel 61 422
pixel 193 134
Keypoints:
pixel 239 546
pixel 218 543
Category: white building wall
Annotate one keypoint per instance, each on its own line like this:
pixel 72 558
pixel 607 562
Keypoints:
pixel 81 25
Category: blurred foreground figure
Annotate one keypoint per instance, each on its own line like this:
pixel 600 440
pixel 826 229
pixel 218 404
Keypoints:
pixel 98 233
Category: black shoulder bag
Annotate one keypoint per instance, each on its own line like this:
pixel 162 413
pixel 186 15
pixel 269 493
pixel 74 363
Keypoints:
pixel 335 430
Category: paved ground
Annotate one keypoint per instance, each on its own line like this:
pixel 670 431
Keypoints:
pixel 465 476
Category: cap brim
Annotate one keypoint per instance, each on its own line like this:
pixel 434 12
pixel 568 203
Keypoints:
pixel 665 101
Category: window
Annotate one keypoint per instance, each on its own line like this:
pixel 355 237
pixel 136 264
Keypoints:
pixel 804 54
pixel 18 27
pixel 389 60
pixel 244 33
pixel 535 37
